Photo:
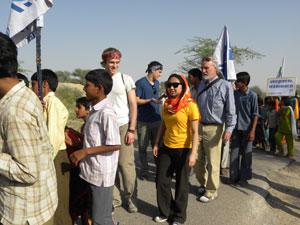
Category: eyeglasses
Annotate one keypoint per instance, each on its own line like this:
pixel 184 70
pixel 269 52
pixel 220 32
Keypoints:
pixel 174 85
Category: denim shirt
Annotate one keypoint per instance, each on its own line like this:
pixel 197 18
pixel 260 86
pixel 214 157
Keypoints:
pixel 246 109
pixel 217 104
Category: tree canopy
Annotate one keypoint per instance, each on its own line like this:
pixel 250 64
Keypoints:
pixel 202 47
pixel 77 76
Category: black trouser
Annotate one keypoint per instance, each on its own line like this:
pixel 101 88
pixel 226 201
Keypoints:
pixel 272 139
pixel 170 161
pixel 240 146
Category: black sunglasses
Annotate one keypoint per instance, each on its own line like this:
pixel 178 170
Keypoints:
pixel 174 85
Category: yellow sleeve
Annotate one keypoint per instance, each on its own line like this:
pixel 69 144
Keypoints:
pixel 57 116
pixel 194 113
pixel 296 111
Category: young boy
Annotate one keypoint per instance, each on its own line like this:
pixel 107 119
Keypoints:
pixel 244 132
pixel 56 116
pixel 98 159
pixel 272 124
pixel 79 198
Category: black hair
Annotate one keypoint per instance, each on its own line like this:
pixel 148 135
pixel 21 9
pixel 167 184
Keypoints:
pixel 243 77
pixel 84 102
pixel 195 72
pixel 8 57
pixel 154 65
pixel 180 80
pixel 50 77
pixel 21 77
pixel 100 77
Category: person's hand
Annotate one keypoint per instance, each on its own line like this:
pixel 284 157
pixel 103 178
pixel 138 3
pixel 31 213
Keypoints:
pixel 226 136
pixel 192 159
pixel 77 156
pixel 155 150
pixel 251 135
pixel 129 138
pixel 68 140
pixel 157 101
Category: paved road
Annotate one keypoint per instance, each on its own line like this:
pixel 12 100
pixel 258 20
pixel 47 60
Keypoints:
pixel 272 197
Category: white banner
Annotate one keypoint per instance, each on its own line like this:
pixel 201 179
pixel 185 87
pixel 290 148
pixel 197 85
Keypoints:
pixel 22 26
pixel 224 56
pixel 281 86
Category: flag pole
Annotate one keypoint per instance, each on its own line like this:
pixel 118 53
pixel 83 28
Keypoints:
pixel 39 59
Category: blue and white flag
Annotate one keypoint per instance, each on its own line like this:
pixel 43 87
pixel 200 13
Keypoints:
pixel 281 69
pixel 224 56
pixel 22 22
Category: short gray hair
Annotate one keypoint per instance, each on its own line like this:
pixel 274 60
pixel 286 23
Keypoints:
pixel 211 59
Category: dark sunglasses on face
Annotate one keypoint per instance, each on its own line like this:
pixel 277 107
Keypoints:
pixel 174 85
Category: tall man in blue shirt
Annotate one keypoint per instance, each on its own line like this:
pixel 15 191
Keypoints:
pixel 149 119
pixel 244 132
pixel 216 104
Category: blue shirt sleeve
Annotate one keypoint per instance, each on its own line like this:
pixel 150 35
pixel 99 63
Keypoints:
pixel 230 112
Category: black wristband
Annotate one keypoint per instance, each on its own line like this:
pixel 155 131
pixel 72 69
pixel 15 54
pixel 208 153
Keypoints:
pixel 131 131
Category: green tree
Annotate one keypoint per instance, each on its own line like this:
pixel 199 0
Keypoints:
pixel 77 76
pixel 202 47
pixel 80 75
pixel 64 76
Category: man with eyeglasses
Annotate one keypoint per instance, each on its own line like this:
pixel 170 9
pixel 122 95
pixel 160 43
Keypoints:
pixel 217 107
pixel 149 119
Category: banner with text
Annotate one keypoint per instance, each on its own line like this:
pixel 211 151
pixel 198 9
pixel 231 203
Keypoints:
pixel 281 86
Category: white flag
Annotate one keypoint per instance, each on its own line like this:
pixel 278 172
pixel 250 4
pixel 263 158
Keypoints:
pixel 281 69
pixel 224 56
pixel 22 22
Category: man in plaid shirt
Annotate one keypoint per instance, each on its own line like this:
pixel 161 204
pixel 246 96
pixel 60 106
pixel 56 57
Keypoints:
pixel 28 189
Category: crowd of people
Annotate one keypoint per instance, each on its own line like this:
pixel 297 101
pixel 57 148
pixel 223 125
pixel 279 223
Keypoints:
pixel 53 174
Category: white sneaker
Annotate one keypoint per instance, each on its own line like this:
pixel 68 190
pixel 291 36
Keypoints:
pixel 206 199
pixel 160 219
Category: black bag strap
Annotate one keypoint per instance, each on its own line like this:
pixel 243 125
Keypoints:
pixel 208 86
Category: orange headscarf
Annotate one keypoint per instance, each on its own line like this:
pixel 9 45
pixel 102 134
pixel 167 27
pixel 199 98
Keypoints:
pixel 173 105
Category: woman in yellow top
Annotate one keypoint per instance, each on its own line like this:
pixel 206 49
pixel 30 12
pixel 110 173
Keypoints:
pixel 178 153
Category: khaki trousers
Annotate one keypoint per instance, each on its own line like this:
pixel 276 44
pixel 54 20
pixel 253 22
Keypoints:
pixel 207 168
pixel 126 170
pixel 62 167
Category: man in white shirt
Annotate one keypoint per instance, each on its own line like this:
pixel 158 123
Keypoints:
pixel 123 98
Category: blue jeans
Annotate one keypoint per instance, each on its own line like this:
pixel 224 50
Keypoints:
pixel 240 169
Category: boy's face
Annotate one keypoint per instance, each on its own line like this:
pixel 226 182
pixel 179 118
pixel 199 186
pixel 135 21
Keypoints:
pixel 112 66
pixel 239 85
pixel 81 111
pixel 34 87
pixel 92 91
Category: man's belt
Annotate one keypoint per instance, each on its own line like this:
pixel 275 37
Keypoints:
pixel 210 124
